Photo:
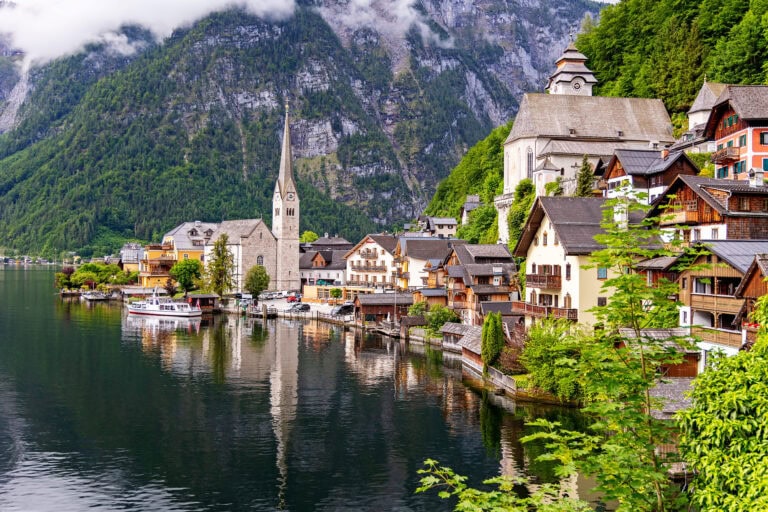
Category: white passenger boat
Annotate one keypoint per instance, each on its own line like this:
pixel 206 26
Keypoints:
pixel 94 295
pixel 163 306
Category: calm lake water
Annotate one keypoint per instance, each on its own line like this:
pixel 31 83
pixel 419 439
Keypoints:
pixel 103 411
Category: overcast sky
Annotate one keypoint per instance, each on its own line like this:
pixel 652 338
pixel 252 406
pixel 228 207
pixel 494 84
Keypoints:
pixel 46 29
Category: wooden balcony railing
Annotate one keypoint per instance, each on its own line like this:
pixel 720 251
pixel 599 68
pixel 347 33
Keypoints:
pixel 682 216
pixel 717 303
pixel 458 305
pixel 718 336
pixel 369 268
pixel 527 309
pixel 543 281
pixel 725 155
pixel 368 254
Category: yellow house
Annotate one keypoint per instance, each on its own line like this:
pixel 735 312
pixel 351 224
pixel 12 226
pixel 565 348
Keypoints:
pixel 185 242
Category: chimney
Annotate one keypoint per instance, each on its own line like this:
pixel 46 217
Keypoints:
pixel 756 177
pixel 664 153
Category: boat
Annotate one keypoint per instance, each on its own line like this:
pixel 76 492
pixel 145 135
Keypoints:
pixel 164 306
pixel 94 295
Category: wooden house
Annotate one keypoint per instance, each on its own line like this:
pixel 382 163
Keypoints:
pixel 752 287
pixel 696 208
pixel 381 307
pixel 631 172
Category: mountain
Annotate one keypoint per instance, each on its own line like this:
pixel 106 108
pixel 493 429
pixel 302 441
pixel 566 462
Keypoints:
pixel 107 147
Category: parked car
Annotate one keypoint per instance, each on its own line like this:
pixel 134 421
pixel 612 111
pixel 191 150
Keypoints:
pixel 294 298
pixel 343 309
pixel 298 307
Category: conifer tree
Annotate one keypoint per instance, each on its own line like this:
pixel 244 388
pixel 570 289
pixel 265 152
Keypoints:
pixel 220 267
pixel 584 179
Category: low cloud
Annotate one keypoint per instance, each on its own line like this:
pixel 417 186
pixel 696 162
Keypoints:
pixel 47 29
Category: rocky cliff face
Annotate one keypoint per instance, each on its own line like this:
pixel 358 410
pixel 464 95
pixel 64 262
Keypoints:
pixel 386 96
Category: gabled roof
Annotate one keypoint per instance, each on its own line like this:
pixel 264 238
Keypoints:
pixel 427 248
pixel 334 260
pixel 448 221
pixel 703 187
pixel 556 115
pixel 739 254
pixel 238 229
pixel 386 242
pixel 183 234
pixel 750 102
pixel 433 292
pixel 483 253
pixel 758 267
pixel 489 269
pixel 645 162
pixel 383 299
pixel 471 340
pixel 505 308
pixel 707 96
pixel 454 328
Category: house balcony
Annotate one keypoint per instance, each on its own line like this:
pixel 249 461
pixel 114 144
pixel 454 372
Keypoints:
pixel 543 281
pixel 536 311
pixel 403 275
pixel 718 336
pixel 368 254
pixel 717 303
pixel 725 155
pixel 368 268
pixel 672 217
pixel 458 305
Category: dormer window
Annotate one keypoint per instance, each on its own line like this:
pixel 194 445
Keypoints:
pixel 192 232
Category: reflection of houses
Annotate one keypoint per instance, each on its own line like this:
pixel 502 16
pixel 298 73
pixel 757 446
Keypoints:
pixel 477 274
pixel 650 172
pixel 709 294
pixel 413 257
pixel 738 124
pixel 557 241
pixel 713 209
pixel 371 261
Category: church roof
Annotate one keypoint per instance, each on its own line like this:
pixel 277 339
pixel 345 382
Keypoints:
pixel 573 117
pixel 707 96
pixel 571 65
pixel 238 229
pixel 285 176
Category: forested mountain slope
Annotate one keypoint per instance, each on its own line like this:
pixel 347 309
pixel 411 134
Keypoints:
pixel 107 147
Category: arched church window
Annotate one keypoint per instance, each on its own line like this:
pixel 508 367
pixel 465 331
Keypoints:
pixel 277 212
pixel 529 165
pixel 260 260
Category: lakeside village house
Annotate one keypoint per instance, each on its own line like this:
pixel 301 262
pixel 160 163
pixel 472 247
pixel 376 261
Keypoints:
pixel 629 144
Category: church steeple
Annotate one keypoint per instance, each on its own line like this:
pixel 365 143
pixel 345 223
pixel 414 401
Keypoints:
pixel 285 177
pixel 572 76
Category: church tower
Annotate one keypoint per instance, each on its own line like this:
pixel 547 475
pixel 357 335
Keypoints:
pixel 285 219
pixel 572 76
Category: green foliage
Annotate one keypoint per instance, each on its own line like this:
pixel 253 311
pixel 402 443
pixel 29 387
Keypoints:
pixel 218 272
pixel 256 280
pixel 437 316
pixel 187 273
pixel 336 293
pixel 93 274
pixel 554 188
pixel 585 179
pixel 522 201
pixel 418 308
pixel 308 237
pixel 725 432
pixel 482 224
pixel 550 355
pixel 704 163
pixel 492 339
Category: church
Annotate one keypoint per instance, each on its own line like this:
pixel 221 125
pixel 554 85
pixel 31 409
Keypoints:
pixel 553 131
pixel 252 243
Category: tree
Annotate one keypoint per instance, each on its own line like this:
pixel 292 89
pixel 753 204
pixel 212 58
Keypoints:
pixel 170 287
pixel 220 266
pixel 554 188
pixel 550 353
pixel 308 237
pixel 438 316
pixel 335 293
pixel 187 273
pixel 525 194
pixel 492 339
pixel 585 179
pixel 617 367
pixel 418 308
pixel 725 431
pixel 256 280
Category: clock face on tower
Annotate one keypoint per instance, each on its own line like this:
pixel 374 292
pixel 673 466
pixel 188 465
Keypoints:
pixel 577 83
pixel 290 196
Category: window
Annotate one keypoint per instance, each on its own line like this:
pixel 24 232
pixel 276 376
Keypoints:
pixel 567 271
pixel 186 256
pixel 764 138
pixel 722 172
pixel 567 301
pixel 557 241
pixel 684 285
pixel 530 163
pixel 260 260
pixel 696 234
pixel 602 301
pixel 544 239
pixel 715 234
pixel 739 167
pixel 729 144
pixel 742 140
pixel 602 272
pixel 533 268
pixel 535 240
pixel 277 212
pixel 719 147
pixel 744 204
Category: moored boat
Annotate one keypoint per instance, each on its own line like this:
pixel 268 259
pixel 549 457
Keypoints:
pixel 163 306
pixel 94 295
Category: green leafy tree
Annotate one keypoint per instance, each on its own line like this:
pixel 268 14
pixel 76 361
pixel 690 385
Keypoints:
pixel 437 316
pixel 220 266
pixel 256 280
pixel 554 188
pixel 525 194
pixel 418 308
pixel 61 281
pixel 170 287
pixel 492 339
pixel 550 355
pixel 725 431
pixel 187 273
pixel 336 293
pixel 585 179
pixel 308 237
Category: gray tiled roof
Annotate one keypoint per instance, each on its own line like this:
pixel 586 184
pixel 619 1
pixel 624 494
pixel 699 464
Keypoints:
pixel 555 115
pixel 454 328
pixel 433 292
pixel 737 253
pixel 182 239
pixel 588 147
pixel 472 339
pixel 456 271
pixel 702 187
pixel 490 269
pixel 487 289
pixel 660 263
pixel 488 251
pixel 637 162
pixel 505 308
pixel 237 229
pixel 428 248
pixel 707 96
pixel 379 299
pixel 749 101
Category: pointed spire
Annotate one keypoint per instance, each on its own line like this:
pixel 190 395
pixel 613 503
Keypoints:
pixel 285 178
